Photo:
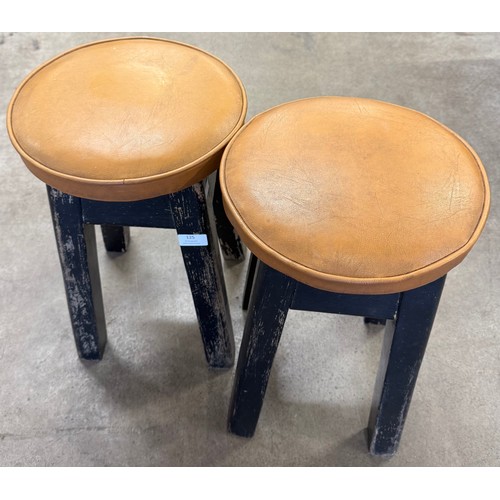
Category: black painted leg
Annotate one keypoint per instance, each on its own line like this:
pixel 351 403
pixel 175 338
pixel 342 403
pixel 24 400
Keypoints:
pixel 230 243
pixel 375 321
pixel 252 264
pixel 404 347
pixel 269 306
pixel 78 256
pixel 116 238
pixel 204 269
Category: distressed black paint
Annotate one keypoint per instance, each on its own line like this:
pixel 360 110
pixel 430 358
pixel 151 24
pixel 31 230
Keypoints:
pixel 78 256
pixel 269 306
pixel 116 238
pixel 187 211
pixel 230 243
pixel 374 321
pixel 154 212
pixel 204 269
pixel 249 282
pixel 272 294
pixel 402 353
pixel 308 298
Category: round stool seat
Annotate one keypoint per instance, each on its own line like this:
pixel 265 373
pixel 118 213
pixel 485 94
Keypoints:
pixel 354 195
pixel 126 119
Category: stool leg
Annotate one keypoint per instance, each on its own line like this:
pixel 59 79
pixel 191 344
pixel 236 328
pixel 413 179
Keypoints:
pixel 78 256
pixel 192 216
pixel 116 238
pixel 269 306
pixel 375 321
pixel 402 353
pixel 230 243
pixel 252 264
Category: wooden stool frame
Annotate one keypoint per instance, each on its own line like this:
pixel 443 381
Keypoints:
pixel 189 212
pixel 269 295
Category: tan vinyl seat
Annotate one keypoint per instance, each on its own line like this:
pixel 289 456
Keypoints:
pixel 124 133
pixel 354 195
pixel 126 119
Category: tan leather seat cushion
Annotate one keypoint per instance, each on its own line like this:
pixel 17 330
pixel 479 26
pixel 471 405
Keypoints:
pixel 126 119
pixel 354 195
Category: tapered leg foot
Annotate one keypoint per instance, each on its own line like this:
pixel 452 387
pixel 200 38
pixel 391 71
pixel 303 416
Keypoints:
pixel 116 238
pixel 193 219
pixel 402 353
pixel 374 321
pixel 76 245
pixel 269 306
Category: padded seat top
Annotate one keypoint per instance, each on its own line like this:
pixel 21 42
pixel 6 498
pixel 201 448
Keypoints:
pixel 126 119
pixel 354 195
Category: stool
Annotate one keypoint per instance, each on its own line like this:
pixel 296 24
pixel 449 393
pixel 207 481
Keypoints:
pixel 125 132
pixel 350 206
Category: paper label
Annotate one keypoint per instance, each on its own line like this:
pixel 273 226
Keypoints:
pixel 193 240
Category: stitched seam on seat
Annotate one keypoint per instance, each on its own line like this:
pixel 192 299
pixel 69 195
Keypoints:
pixel 132 180
pixel 354 278
pixel 482 217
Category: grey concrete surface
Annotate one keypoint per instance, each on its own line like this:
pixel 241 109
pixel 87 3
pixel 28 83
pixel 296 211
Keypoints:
pixel 152 401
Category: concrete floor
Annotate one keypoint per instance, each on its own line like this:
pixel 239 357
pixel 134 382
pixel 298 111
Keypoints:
pixel 152 401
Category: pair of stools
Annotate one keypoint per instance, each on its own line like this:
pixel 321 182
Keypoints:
pixel 349 206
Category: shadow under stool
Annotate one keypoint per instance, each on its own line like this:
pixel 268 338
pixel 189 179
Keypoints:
pixel 349 206
pixel 128 132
